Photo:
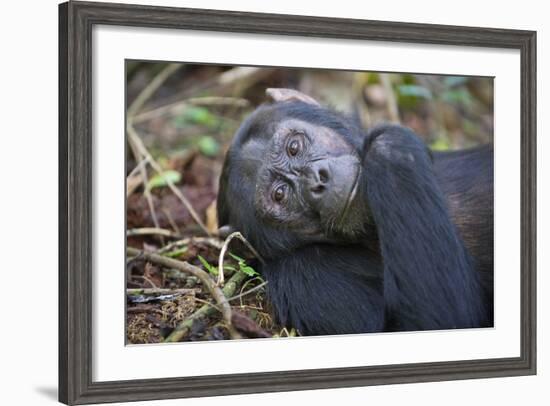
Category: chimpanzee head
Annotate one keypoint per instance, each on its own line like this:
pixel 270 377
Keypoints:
pixel 291 175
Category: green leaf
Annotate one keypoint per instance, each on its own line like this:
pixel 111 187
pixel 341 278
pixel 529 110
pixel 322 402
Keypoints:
pixel 243 267
pixel 248 270
pixel 176 253
pixel 414 91
pixel 236 258
pixel 208 146
pixel 453 81
pixel 195 115
pixel 212 269
pixel 163 178
pixel 229 268
pixel 198 115
pixel 459 96
pixel 441 144
pixel 408 79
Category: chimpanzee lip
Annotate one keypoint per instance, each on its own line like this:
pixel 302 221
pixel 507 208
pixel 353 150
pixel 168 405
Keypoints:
pixel 351 196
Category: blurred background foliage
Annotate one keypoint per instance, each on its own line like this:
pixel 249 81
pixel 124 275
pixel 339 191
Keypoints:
pixel 201 106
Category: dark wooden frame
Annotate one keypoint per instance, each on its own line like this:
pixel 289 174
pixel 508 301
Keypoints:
pixel 76 20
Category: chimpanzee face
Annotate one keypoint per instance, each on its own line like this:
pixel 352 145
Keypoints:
pixel 307 180
pixel 291 177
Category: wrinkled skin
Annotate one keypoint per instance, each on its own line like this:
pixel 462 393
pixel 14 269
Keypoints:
pixel 361 231
pixel 308 179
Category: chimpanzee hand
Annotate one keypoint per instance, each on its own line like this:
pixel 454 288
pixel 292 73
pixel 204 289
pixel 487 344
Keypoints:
pixel 395 148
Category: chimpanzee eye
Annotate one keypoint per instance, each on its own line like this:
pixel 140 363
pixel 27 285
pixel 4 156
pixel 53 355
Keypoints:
pixel 293 147
pixel 279 193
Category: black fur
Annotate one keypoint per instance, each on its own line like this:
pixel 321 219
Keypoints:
pixel 425 260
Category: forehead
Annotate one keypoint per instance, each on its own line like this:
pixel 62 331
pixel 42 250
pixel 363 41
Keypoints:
pixel 269 138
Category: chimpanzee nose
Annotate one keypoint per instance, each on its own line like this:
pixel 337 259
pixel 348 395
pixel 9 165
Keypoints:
pixel 320 177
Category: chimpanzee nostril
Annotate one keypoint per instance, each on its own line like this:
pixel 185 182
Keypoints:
pixel 318 179
pixel 323 175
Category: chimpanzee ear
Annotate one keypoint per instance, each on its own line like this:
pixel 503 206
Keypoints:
pixel 224 231
pixel 287 95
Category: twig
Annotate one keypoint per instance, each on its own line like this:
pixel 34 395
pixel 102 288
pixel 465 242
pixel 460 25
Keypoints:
pixel 171 221
pixel 146 279
pixel 151 88
pixel 179 106
pixel 245 285
pixel 158 291
pixel 211 241
pixel 231 77
pixel 137 144
pixel 157 294
pixel 206 303
pixel 208 309
pixel 132 183
pixel 134 138
pixel 134 179
pixel 360 80
pixel 254 289
pixel 151 231
pixel 231 236
pixel 214 290
pixel 393 110
pixel 146 189
pixel 137 168
pixel 139 154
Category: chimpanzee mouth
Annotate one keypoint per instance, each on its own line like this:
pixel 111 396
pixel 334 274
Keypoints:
pixel 350 198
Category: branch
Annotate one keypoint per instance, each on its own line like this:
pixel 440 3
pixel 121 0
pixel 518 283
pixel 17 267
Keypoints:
pixel 254 289
pixel 136 141
pixel 146 189
pixel 207 310
pixel 242 76
pixel 239 236
pixel 151 88
pixel 136 105
pixel 151 231
pixel 211 241
pixel 186 267
pixel 158 291
pixel 393 110
pixel 180 106
pixel 142 153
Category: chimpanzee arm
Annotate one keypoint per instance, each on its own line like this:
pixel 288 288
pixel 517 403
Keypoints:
pixel 327 289
pixel 429 278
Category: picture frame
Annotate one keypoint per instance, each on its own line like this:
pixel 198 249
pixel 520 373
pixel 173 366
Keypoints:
pixel 76 21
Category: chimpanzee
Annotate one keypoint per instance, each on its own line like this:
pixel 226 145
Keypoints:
pixel 360 231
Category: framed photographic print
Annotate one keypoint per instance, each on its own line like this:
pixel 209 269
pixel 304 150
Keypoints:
pixel 258 202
